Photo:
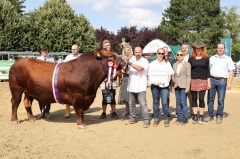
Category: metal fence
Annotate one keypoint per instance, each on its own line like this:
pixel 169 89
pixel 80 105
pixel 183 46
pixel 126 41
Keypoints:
pixel 7 55
pixel 7 60
pixel 237 70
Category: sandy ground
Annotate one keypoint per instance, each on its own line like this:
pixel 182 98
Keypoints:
pixel 59 137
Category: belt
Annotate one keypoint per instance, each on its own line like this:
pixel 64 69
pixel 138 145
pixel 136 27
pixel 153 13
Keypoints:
pixel 218 78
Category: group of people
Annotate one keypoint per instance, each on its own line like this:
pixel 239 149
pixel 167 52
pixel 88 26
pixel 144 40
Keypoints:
pixel 190 76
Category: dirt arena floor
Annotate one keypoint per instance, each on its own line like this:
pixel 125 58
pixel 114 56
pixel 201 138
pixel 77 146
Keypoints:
pixel 59 138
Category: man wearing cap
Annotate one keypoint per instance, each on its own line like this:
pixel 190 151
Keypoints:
pixel 45 57
pixel 74 55
pixel 221 71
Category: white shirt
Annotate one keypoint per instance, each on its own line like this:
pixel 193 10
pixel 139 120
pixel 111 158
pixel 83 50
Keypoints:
pixel 186 57
pixel 47 58
pixel 164 67
pixel 71 57
pixel 221 66
pixel 179 66
pixel 137 81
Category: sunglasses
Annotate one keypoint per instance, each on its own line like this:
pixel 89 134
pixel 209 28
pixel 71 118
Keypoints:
pixel 179 54
pixel 160 53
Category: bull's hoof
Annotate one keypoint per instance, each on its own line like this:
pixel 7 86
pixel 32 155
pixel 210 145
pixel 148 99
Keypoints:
pixel 67 116
pixel 15 122
pixel 82 127
pixel 32 120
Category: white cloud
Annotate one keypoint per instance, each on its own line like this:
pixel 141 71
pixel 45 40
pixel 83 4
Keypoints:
pixel 141 17
pixel 105 5
pixel 141 13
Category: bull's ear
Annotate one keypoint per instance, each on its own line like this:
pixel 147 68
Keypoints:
pixel 97 53
pixel 106 53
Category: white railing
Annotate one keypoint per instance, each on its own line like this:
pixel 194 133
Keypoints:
pixel 237 71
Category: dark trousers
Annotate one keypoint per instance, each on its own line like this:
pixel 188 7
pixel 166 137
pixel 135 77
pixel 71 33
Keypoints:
pixel 200 95
pixel 47 108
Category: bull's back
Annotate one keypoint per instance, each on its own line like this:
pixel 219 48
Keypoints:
pixel 30 71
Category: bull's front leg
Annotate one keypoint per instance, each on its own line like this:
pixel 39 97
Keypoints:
pixel 80 118
pixel 28 106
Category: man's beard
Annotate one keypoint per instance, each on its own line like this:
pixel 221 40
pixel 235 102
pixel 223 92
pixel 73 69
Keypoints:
pixel 138 57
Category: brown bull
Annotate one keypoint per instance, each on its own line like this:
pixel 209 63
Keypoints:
pixel 78 81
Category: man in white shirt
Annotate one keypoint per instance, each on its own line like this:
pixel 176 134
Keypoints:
pixel 74 55
pixel 185 48
pixel 45 57
pixel 221 71
pixel 137 86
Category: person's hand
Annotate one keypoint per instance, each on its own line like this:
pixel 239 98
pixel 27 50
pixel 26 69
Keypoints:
pixel 228 87
pixel 156 84
pixel 209 86
pixel 119 74
pixel 171 90
pixel 126 60
pixel 105 80
pixel 186 90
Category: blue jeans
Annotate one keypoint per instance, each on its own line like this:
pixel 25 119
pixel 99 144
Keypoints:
pixel 141 97
pixel 182 108
pixel 157 93
pixel 218 86
pixel 47 108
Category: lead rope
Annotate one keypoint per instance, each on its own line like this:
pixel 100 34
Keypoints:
pixel 115 66
pixel 112 71
pixel 110 64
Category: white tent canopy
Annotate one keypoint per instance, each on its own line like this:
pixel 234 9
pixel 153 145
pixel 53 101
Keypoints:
pixel 238 63
pixel 154 45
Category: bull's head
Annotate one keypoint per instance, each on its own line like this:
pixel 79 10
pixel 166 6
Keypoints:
pixel 105 54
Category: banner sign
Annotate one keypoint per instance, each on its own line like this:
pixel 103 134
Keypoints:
pixel 158 77
pixel 228 45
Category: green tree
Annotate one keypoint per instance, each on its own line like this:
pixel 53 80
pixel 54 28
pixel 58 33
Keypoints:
pixel 56 26
pixel 18 5
pixel 232 29
pixel 103 34
pixel 190 21
pixel 10 27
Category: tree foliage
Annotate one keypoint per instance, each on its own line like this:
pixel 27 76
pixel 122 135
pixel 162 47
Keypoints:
pixel 132 35
pixel 190 21
pixel 103 34
pixel 10 27
pixel 18 5
pixel 56 26
pixel 232 29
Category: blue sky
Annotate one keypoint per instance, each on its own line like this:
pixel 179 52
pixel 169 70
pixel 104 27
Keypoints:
pixel 114 14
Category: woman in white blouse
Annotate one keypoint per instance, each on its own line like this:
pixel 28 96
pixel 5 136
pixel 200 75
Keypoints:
pixel 159 73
